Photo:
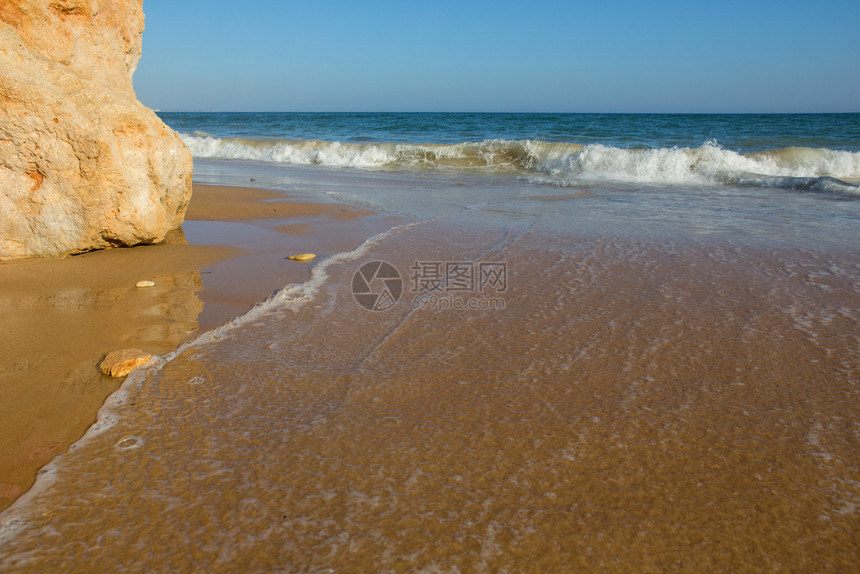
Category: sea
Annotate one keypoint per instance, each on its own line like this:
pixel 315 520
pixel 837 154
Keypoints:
pixel 593 342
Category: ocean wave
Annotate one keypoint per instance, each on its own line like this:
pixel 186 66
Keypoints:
pixel 559 162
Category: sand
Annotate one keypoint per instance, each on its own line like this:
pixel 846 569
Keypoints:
pixel 62 316
pixel 634 406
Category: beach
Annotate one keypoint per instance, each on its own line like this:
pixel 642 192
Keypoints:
pixel 62 316
pixel 508 356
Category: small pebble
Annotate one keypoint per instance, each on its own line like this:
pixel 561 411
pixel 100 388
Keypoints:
pixel 145 284
pixel 302 257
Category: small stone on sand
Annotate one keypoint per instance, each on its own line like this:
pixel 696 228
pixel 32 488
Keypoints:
pixel 302 257
pixel 145 284
pixel 121 363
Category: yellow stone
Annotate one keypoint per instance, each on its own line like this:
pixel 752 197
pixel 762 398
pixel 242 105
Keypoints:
pixel 302 257
pixel 121 363
pixel 145 284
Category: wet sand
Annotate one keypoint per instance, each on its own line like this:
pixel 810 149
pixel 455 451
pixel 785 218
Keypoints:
pixel 635 405
pixel 61 316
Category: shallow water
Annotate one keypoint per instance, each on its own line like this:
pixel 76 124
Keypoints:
pixel 606 375
pixel 627 403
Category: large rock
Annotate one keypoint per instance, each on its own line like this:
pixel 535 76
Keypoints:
pixel 83 164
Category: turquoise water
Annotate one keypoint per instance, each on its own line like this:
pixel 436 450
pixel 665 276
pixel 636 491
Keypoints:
pixel 788 177
pixel 738 132
pixel 796 152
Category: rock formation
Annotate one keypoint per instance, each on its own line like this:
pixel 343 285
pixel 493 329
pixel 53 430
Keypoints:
pixel 121 363
pixel 83 164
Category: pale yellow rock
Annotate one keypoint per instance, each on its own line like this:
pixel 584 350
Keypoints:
pixel 83 164
pixel 145 284
pixel 302 257
pixel 121 363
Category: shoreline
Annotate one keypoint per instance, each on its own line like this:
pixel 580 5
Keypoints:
pixel 671 415
pixel 63 315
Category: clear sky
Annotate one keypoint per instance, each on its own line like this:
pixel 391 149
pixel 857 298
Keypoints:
pixel 501 55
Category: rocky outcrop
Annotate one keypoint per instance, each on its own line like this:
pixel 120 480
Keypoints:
pixel 83 164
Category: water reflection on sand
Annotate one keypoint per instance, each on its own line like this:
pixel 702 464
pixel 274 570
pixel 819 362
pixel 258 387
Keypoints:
pixel 60 317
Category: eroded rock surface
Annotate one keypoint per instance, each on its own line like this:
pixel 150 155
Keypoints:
pixel 83 164
pixel 121 363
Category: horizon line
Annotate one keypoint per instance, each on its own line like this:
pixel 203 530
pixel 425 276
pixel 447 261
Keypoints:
pixel 759 113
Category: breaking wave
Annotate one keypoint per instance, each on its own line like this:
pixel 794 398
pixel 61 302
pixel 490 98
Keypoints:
pixel 813 169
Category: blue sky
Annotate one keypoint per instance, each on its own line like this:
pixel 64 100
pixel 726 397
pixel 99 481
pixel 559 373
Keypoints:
pixel 501 55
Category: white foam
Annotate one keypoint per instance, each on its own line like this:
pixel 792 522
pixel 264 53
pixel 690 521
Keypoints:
pixel 560 162
pixel 291 297
pixel 708 164
pixel 129 442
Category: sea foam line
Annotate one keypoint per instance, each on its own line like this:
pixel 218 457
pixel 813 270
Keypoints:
pixel 556 162
pixel 291 297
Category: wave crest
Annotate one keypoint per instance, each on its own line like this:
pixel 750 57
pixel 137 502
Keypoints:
pixel 561 163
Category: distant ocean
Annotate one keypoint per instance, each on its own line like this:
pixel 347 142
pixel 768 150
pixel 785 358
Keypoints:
pixel 793 151
pixel 770 175
pixel 594 342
